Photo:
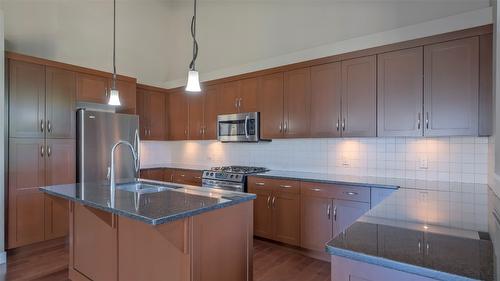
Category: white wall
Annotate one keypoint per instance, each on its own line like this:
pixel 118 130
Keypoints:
pixel 153 36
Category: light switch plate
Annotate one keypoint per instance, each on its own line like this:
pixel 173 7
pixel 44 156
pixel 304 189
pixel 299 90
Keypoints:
pixel 423 162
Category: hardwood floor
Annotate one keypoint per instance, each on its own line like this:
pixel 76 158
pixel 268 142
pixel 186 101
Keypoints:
pixel 49 262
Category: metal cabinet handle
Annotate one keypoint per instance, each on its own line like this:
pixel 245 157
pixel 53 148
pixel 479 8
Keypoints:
pixel 418 121
pixel 42 151
pixel 106 93
pixel 260 183
pixel 49 151
pixel 239 102
pixel 335 213
pixel 337 125
pixel 427 248
pixel 268 201
pixel 201 131
pixel 182 175
pixel 197 177
pixel 351 193
pixel 328 211
pixel 41 125
pixel 427 120
pixel 281 127
pixel 236 102
pixel 49 126
pixel 185 132
pixel 274 201
pixel 343 124
pixel 285 186
pixel 316 189
pixel 285 127
pixel 419 246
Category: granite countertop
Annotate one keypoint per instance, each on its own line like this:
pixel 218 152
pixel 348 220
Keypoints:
pixel 177 201
pixel 431 233
pixel 177 166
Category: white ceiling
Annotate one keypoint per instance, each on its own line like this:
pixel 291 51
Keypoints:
pixel 153 41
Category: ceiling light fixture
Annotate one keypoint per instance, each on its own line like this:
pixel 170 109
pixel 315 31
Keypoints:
pixel 193 83
pixel 114 95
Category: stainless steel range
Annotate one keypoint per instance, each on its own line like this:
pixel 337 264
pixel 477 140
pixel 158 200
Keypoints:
pixel 232 178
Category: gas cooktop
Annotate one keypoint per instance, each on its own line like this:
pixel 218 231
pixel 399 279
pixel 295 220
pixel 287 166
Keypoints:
pixel 240 169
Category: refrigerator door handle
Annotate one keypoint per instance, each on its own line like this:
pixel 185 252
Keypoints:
pixel 137 144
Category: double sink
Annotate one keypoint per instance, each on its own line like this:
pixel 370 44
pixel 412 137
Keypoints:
pixel 142 187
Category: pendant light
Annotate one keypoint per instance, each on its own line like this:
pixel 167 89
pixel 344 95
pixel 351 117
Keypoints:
pixel 193 83
pixel 114 95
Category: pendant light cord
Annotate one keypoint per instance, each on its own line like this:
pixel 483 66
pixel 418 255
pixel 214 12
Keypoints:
pixel 195 43
pixel 114 44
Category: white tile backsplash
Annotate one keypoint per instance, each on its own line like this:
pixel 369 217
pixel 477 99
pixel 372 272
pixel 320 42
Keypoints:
pixel 461 159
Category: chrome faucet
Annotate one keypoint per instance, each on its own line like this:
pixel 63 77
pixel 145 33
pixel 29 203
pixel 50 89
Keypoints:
pixel 135 155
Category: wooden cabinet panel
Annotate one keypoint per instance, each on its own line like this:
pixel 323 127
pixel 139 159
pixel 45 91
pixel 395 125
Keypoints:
pixel 316 222
pixel 60 161
pixel 91 88
pixel 178 116
pixel 190 177
pixel 94 243
pixel 60 103
pixel 128 92
pixel 297 103
pixel 346 213
pixel 286 219
pixel 486 85
pixel 359 97
pixel 262 214
pixel 210 112
pixel 156 116
pixel 326 92
pixel 228 98
pixel 337 191
pixel 153 252
pixel 26 219
pixel 392 246
pixel 168 175
pixel 248 95
pixel 195 118
pixel 400 93
pixel 56 217
pixel 451 87
pixel 270 104
pixel 153 174
pixel 26 100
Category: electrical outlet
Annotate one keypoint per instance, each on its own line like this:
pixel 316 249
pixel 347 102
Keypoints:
pixel 345 161
pixel 423 162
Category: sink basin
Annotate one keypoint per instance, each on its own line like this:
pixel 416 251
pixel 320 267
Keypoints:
pixel 141 187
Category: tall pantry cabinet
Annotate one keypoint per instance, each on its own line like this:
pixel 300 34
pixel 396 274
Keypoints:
pixel 41 149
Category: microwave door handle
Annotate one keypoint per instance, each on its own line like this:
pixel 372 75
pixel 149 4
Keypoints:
pixel 246 127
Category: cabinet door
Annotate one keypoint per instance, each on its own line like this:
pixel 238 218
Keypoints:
pixel 451 73
pixel 143 111
pixel 401 244
pixel 346 213
pixel 262 212
pixel 60 103
pixel 195 118
pixel 359 97
pixel 326 92
pixel 91 88
pixel 26 100
pixel 155 106
pixel 486 85
pixel 297 102
pixel 270 104
pixel 248 95
pixel 228 98
pixel 316 222
pixel 178 116
pixel 286 217
pixel 128 91
pixel 56 217
pixel 94 243
pixel 168 175
pixel 190 177
pixel 153 174
pixel 210 112
pixel 26 202
pixel 400 93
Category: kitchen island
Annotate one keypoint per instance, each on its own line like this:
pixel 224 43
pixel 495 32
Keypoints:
pixel 157 231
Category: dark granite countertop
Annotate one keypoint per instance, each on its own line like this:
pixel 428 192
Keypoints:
pixel 433 233
pixel 177 201
pixel 176 166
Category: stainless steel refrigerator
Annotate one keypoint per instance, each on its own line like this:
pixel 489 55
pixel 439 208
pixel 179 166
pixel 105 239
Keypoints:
pixel 97 132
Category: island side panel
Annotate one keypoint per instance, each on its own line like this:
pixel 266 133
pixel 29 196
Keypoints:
pixel 150 252
pixel 222 244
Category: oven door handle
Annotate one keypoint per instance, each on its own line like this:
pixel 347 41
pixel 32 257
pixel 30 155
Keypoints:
pixel 246 127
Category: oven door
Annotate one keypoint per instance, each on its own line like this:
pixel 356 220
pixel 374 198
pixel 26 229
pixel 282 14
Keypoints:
pixel 240 127
pixel 225 185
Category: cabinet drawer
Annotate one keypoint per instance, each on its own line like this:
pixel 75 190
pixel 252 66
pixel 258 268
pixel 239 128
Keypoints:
pixel 191 177
pixel 276 184
pixel 336 191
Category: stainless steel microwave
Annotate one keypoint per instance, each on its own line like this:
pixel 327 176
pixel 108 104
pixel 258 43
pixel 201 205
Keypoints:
pixel 240 127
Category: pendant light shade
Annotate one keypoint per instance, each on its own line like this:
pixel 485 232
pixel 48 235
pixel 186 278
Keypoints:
pixel 193 83
pixel 114 95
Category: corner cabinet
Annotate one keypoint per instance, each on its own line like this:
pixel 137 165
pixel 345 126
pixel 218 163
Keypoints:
pixel 152 114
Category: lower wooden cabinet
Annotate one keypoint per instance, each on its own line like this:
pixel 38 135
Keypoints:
pixel 56 217
pixel 182 176
pixel 316 222
pixel 153 174
pixel 191 177
pixel 277 209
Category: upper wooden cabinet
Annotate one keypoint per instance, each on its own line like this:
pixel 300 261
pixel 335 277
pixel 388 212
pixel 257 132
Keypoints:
pixel 326 93
pixel 195 115
pixel 238 96
pixel 60 103
pixel 297 103
pixel 400 93
pixel 451 74
pixel 152 114
pixel 128 92
pixel 26 99
pixel 359 97
pixel 270 104
pixel 91 88
pixel 210 112
pixel 178 116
